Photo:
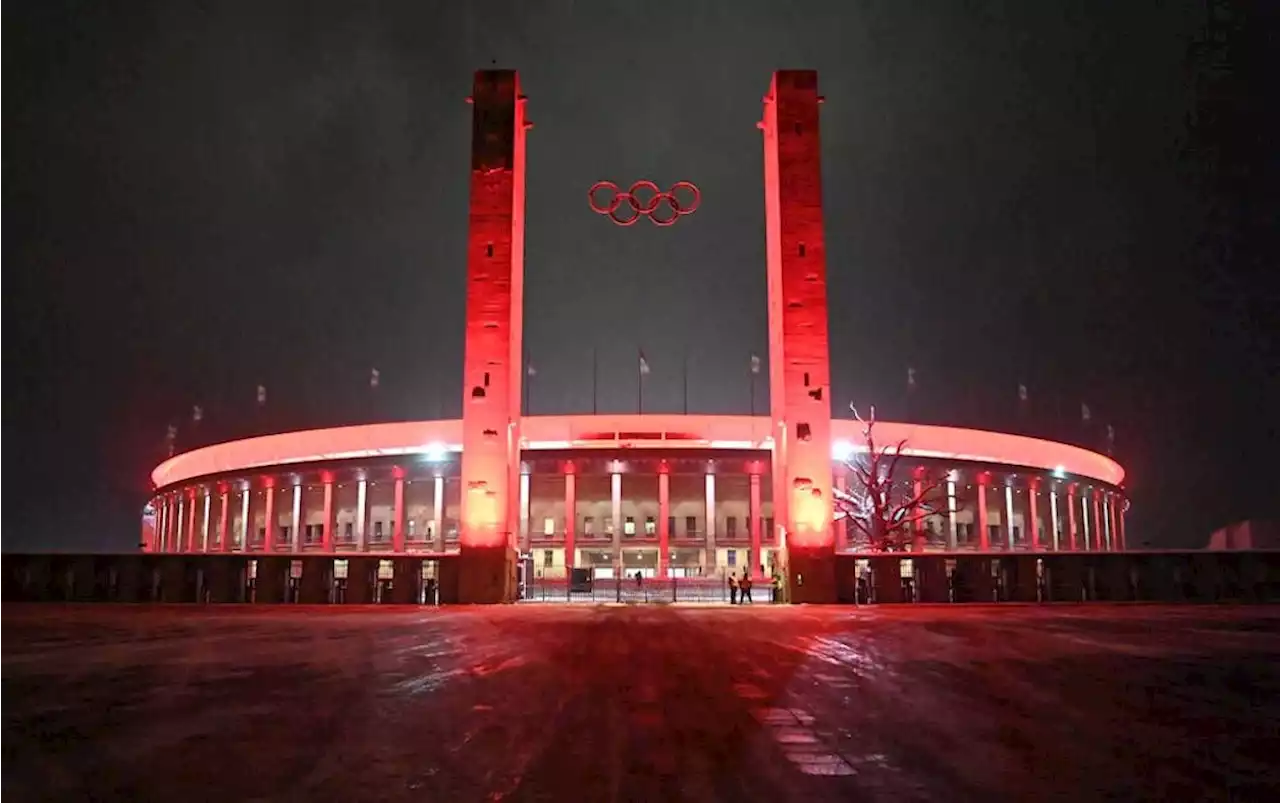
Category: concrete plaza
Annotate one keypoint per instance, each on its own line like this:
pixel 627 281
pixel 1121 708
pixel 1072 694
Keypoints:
pixel 641 703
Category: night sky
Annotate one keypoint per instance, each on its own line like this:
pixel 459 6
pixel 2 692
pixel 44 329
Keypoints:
pixel 199 198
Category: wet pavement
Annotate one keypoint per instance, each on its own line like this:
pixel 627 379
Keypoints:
pixel 564 703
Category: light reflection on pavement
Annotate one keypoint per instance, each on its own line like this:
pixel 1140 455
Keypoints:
pixel 641 703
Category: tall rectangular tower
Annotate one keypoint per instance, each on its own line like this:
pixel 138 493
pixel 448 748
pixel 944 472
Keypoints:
pixel 799 368
pixel 492 370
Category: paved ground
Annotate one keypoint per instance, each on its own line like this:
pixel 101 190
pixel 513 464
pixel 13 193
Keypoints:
pixel 641 704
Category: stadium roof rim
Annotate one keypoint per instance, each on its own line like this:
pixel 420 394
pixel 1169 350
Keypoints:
pixel 634 431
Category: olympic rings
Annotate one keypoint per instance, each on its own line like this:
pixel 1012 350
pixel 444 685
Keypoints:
pixel 645 199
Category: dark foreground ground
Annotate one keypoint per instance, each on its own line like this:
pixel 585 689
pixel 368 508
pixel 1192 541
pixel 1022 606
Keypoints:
pixel 641 704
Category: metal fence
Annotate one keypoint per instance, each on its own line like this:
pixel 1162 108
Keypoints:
pixel 646 590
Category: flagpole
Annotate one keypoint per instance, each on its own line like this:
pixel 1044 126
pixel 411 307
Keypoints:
pixel 640 383
pixel 752 368
pixel 528 380
pixel 685 381
pixel 594 409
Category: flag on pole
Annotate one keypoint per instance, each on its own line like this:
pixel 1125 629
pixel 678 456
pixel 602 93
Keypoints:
pixel 911 378
pixel 644 364
pixel 197 414
pixel 375 378
pixel 1085 415
pixel 1022 392
pixel 755 364
pixel 262 395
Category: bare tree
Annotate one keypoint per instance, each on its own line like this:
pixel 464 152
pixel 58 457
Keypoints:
pixel 886 512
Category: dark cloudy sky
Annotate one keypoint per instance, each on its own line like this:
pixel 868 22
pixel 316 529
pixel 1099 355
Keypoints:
pixel 201 197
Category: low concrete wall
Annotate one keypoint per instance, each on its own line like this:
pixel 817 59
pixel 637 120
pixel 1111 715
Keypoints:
pixel 1236 576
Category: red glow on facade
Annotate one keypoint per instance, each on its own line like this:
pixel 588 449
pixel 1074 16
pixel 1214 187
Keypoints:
pixel 799 365
pixel 492 370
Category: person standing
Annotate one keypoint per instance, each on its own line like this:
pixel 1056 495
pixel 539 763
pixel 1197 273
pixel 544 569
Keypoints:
pixel 733 589
pixel 744 585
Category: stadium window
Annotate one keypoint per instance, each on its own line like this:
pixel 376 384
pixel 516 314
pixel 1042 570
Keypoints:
pixel 608 525
pixel 650 526
pixel 731 557
pixel 731 526
pixel 262 535
pixel 548 526
pixel 412 527
pixel 588 525
pixel 346 531
pixel 671 526
pixel 377 531
pixel 768 528
pixel 629 525
pixel 548 558
pixel 691 525
pixel 284 533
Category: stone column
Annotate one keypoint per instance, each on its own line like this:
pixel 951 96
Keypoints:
pixel 397 515
pixel 1072 544
pixel 295 519
pixel 570 518
pixel 224 518
pixel 1008 515
pixel 162 532
pixel 615 490
pixel 664 517
pixel 1053 518
pixel 984 540
pixel 362 512
pixel 1097 521
pixel 269 520
pixel 326 529
pixel 191 521
pixel 757 555
pixel 526 538
pixel 1085 542
pixel 1119 519
pixel 709 556
pixel 204 523
pixel 1031 525
pixel 245 524
pixel 951 511
pixel 917 526
pixel 437 520
pixel 841 526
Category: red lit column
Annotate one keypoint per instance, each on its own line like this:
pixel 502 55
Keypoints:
pixel 437 514
pixel 397 524
pixel 570 516
pixel 984 535
pixel 163 530
pixel 615 506
pixel 492 361
pixel 709 544
pixel 326 529
pixel 799 366
pixel 842 529
pixel 191 521
pixel 1072 543
pixel 1033 527
pixel 295 519
pixel 204 522
pixel 224 519
pixel 1097 521
pixel 526 537
pixel 269 539
pixel 362 512
pixel 757 554
pixel 917 526
pixel 664 517
pixel 1119 516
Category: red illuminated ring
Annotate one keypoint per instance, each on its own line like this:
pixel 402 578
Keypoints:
pixel 644 199
pixel 612 205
